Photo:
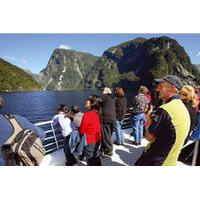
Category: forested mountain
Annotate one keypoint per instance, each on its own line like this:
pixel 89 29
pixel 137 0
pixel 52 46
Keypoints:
pixel 13 78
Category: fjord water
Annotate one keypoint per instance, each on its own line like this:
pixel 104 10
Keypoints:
pixel 39 106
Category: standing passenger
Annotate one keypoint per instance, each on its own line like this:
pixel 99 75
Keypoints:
pixel 191 101
pixel 91 126
pixel 64 122
pixel 121 108
pixel 76 115
pixel 139 103
pixel 169 127
pixel 108 118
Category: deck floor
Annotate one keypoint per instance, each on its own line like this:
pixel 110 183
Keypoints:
pixel 123 155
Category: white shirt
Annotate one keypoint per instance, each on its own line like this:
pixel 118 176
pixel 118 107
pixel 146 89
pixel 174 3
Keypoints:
pixel 64 122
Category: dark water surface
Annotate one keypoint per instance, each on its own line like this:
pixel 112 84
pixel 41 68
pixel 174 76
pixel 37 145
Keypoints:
pixel 40 106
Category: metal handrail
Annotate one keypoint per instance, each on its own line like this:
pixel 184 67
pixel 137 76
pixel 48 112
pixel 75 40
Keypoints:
pixel 194 159
pixel 50 145
pixel 43 123
pixel 54 136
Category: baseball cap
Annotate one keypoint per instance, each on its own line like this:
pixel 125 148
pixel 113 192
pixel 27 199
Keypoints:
pixel 172 79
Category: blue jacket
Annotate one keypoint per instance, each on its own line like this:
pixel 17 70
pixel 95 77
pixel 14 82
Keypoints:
pixel 77 143
pixel 196 133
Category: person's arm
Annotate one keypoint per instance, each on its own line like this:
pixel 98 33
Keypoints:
pixel 55 118
pixel 148 114
pixel 25 123
pixel 124 108
pixel 118 109
pixel 149 136
pixel 41 133
pixel 84 124
pixel 159 149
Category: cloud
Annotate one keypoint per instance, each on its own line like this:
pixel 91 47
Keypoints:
pixel 198 54
pixel 62 46
pixel 23 61
pixel 11 58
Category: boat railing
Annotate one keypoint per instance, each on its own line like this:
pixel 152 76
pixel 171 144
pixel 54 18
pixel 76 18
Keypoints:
pixel 54 139
pixel 127 122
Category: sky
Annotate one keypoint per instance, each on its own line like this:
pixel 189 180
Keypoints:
pixel 33 51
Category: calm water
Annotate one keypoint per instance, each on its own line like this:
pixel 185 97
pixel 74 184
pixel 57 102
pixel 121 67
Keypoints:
pixel 39 106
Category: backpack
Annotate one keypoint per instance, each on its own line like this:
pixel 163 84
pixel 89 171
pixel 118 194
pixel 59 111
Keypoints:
pixel 23 148
pixel 139 103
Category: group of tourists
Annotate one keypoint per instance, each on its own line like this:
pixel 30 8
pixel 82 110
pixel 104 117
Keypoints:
pixel 167 127
pixel 105 114
pixel 172 123
pixel 89 135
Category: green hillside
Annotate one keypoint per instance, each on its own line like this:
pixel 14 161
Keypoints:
pixel 13 78
pixel 139 61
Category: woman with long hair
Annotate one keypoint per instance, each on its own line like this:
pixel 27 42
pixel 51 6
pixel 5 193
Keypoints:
pixel 121 108
pixel 190 99
pixel 91 126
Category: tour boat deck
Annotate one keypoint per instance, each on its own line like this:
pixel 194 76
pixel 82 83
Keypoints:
pixel 123 155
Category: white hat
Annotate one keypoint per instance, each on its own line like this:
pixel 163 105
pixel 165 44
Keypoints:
pixel 107 91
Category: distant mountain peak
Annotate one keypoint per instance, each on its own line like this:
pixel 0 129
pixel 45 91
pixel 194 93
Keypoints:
pixel 66 70
pixel 141 60
pixel 129 64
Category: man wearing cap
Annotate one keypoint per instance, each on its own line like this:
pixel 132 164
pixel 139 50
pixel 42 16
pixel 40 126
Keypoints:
pixel 169 127
pixel 108 119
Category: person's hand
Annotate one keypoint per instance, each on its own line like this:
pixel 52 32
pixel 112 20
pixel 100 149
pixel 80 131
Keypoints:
pixel 148 115
pixel 148 109
pixel 150 137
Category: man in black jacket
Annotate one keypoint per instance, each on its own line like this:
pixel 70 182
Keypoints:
pixel 108 121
